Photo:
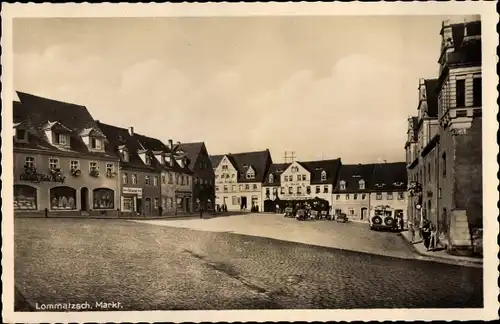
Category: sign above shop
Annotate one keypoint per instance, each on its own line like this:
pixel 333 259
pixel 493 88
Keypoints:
pixel 132 191
pixel 31 175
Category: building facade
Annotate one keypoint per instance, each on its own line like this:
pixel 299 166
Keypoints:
pixel 351 194
pixel 460 134
pixel 389 187
pixel 239 178
pixel 139 174
pixel 271 187
pixel 62 160
pixel 203 175
pixel 412 163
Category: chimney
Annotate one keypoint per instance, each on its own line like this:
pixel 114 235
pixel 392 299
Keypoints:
pixel 131 131
pixel 170 143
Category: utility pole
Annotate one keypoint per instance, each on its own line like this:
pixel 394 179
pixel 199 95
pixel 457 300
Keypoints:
pixel 289 156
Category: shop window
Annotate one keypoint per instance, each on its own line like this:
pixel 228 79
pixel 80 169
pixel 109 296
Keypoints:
pixel 128 204
pixel 103 198
pixel 62 198
pixel 24 197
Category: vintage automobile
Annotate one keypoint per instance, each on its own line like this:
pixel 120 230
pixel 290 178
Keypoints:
pixel 383 217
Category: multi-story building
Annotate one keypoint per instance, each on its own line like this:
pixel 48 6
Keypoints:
pixel 238 179
pixel 271 186
pixel 389 187
pixel 352 191
pixel 308 180
pixel 412 162
pixel 460 144
pixel 203 175
pixel 140 189
pixel 62 160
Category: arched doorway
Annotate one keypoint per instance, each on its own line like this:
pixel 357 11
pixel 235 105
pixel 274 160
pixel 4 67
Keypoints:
pixel 84 199
pixel 364 213
pixel 147 207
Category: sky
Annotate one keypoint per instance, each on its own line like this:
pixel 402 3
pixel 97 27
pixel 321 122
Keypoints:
pixel 322 87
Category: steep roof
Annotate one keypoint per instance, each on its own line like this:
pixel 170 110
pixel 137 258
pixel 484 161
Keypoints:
pixel 316 167
pixel 352 174
pixel 192 151
pixel 431 86
pixel 215 159
pixel 38 113
pixel 387 175
pixel 276 169
pixel 258 160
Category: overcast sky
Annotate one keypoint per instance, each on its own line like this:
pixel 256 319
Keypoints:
pixel 324 87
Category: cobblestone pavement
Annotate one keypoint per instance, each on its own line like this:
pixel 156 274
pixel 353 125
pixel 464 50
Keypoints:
pixel 354 236
pixel 149 267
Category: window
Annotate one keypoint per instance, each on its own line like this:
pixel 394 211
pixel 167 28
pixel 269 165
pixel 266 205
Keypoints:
pixel 271 178
pixel 156 202
pixel 304 177
pixel 299 177
pixel 461 113
pixel 147 159
pixel 342 185
pixel 24 197
pixel 351 211
pixel 21 134
pixel 29 162
pixel 299 190
pixel 250 175
pixel 93 167
pixel 290 190
pixel 147 179
pixel 443 166
pixel 308 190
pixel 216 188
pixel 477 92
pixel 62 198
pixel 233 188
pixel 355 197
pixel 125 178
pixel 155 181
pixel 163 179
pixel 286 178
pixel 95 143
pixel 325 189
pixel 225 188
pixel 176 179
pixel 363 196
pixel 460 93
pixel 134 178
pixel 235 200
pixel 241 187
pixel 267 192
pixel 224 167
pixel 125 156
pixel 361 184
pixel 378 196
pixel 337 197
pixel 110 168
pixel 318 189
pixel 323 175
pixel 389 196
pixel 53 164
pixel 282 190
pixel 247 187
pixel 347 197
pixel 182 180
pixel 61 139
pixel 74 165
pixel 103 198
pixel 254 187
pixel 401 195
pixel 170 178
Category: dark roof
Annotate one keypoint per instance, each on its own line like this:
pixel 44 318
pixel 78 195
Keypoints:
pixel 352 174
pixel 386 175
pixel 316 167
pixel 120 137
pixel 36 112
pixel 276 169
pixel 259 161
pixel 431 86
pixel 192 151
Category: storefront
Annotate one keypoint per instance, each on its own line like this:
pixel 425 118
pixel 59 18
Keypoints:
pixel 183 201
pixel 131 200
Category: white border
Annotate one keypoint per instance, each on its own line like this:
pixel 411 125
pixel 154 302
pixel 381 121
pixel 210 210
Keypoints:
pixel 490 151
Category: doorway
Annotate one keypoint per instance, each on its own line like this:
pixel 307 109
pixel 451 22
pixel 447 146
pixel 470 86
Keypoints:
pixel 147 207
pixel 364 212
pixel 84 199
pixel 243 203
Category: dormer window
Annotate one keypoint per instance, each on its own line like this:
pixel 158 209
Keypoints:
pixel 398 184
pixel 21 135
pixel 323 175
pixel 250 174
pixel 361 184
pixel 124 154
pixel 147 159
pixel 95 143
pixel 271 178
pixel 342 185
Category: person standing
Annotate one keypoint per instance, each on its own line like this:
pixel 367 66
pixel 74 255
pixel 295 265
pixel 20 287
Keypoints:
pixel 426 234
pixel 201 212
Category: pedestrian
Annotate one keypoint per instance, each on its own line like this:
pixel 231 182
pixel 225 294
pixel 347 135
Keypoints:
pixel 401 223
pixel 277 209
pixel 201 212
pixel 411 228
pixel 433 238
pixel 426 234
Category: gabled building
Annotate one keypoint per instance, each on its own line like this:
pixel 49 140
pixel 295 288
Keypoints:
pixel 140 189
pixel 271 187
pixel 309 179
pixel 63 162
pixel 352 190
pixel 238 179
pixel 389 186
pixel 203 175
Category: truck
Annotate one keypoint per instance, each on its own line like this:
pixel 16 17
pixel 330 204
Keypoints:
pixel 384 217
